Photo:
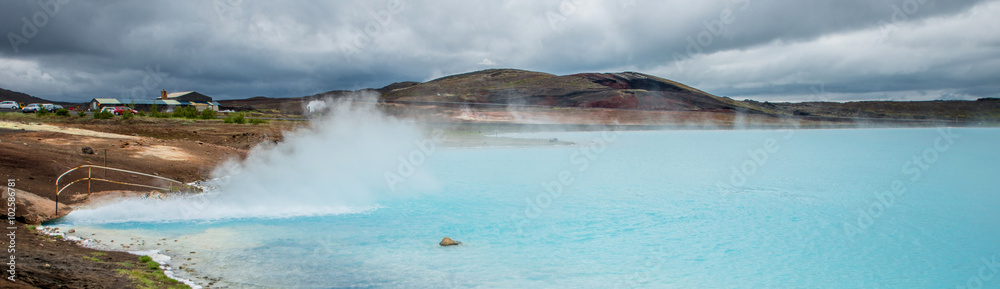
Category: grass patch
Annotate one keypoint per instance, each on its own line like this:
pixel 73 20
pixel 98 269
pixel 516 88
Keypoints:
pixel 98 254
pixel 126 264
pixel 149 277
pixel 257 121
pixel 32 228
pixel 92 259
pixel 151 280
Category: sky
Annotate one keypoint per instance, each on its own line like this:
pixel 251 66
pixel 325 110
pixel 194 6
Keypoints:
pixel 817 50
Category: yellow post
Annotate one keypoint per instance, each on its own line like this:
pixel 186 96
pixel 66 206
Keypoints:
pixel 88 181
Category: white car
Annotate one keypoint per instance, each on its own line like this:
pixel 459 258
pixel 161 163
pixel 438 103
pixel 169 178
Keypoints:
pixel 31 108
pixel 11 105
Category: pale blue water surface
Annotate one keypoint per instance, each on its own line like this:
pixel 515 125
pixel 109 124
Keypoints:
pixel 660 209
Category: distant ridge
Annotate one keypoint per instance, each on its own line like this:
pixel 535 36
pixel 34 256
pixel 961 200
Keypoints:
pixel 626 90
pixel 20 97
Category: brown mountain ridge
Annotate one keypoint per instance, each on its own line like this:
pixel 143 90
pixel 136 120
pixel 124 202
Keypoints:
pixel 626 90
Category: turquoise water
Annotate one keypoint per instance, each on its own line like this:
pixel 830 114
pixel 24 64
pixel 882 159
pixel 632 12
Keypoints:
pixel 861 208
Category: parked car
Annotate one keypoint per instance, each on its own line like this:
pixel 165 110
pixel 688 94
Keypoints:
pixel 31 108
pixel 11 105
pixel 118 110
pixel 52 107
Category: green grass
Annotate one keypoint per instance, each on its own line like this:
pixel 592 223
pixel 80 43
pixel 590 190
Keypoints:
pixel 151 280
pixel 126 264
pixel 32 228
pixel 98 254
pixel 238 118
pixel 103 115
pixel 92 259
pixel 186 112
pixel 149 277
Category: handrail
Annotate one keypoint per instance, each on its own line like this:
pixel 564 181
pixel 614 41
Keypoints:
pixel 91 178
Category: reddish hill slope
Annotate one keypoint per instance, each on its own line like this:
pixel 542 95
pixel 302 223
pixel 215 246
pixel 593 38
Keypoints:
pixel 627 90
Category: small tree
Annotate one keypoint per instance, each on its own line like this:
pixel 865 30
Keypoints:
pixel 41 112
pixel 154 110
pixel 127 114
pixel 62 112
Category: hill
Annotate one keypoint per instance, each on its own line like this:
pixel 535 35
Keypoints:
pixel 626 90
pixel 20 97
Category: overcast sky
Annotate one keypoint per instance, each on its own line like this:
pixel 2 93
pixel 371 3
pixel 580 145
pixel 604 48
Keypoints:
pixel 74 50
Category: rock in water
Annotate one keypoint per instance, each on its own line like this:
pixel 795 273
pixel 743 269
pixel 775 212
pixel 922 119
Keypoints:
pixel 448 242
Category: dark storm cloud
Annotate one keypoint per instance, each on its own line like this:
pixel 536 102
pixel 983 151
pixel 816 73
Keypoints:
pixel 768 50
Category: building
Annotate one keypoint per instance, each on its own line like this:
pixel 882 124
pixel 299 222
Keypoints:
pixel 98 103
pixel 192 96
pixel 166 102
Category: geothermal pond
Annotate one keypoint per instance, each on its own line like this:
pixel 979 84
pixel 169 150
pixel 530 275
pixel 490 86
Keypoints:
pixel 856 208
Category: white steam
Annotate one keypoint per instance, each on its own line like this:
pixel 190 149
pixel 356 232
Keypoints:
pixel 338 165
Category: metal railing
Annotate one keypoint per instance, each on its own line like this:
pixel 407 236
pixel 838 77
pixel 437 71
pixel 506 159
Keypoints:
pixel 90 177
